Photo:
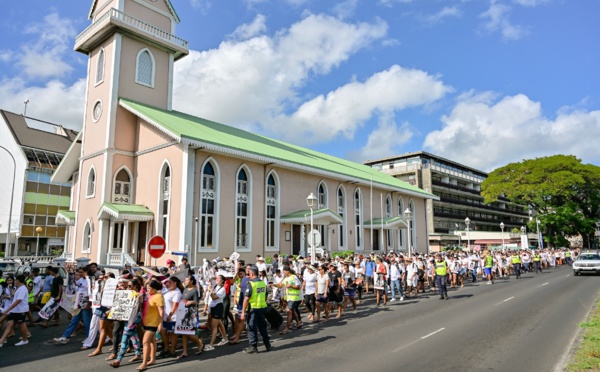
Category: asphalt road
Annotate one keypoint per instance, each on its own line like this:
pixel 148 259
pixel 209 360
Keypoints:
pixel 513 325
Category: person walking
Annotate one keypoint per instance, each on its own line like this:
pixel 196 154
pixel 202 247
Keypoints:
pixel 255 305
pixel 441 276
pixel 516 262
pixel 395 282
pixel 16 312
pixel 190 297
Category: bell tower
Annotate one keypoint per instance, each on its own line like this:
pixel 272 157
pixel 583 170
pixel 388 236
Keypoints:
pixel 131 48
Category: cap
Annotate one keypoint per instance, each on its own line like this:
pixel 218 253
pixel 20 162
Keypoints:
pixel 260 259
pixel 170 262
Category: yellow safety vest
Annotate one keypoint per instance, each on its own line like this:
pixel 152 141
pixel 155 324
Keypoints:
pixel 516 259
pixel 537 258
pixel 258 298
pixel 291 293
pixel 567 254
pixel 441 268
pixel 489 261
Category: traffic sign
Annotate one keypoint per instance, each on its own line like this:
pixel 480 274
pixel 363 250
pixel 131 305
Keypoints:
pixel 157 246
pixel 314 238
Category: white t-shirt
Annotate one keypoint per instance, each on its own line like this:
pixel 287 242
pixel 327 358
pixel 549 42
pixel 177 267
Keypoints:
pixel 411 270
pixel 322 283
pixel 261 266
pixel 395 271
pixel 171 297
pixel 23 306
pixel 37 284
pixel 310 281
pixel 220 292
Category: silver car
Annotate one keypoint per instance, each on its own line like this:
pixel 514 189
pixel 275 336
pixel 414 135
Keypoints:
pixel 587 263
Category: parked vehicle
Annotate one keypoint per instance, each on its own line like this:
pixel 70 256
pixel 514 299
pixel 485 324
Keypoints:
pixel 587 263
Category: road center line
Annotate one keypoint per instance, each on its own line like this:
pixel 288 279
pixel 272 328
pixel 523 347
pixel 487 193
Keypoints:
pixel 567 275
pixel 508 299
pixel 543 284
pixel 432 333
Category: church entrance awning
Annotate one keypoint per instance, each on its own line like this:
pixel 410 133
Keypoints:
pixel 125 212
pixel 65 218
pixel 323 216
pixel 387 223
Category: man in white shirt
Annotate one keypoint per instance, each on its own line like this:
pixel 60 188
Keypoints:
pixel 412 277
pixel 395 275
pixel 260 263
pixel 16 312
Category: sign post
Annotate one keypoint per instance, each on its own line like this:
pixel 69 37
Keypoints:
pixel 157 247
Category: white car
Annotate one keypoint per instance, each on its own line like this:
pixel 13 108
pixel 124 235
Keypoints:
pixel 587 263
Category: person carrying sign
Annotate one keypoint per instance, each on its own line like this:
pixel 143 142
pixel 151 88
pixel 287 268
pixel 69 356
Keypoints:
pixel 130 331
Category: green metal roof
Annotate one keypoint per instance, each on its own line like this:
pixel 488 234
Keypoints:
pixel 387 222
pixel 324 216
pixel 134 212
pixel 65 217
pixel 226 139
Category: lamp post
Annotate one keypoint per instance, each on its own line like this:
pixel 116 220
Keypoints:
pixel 38 230
pixel 12 195
pixel 311 200
pixel 598 232
pixel 502 228
pixel 540 239
pixel 467 223
pixel 408 217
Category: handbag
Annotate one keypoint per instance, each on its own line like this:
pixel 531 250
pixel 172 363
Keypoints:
pixel 45 298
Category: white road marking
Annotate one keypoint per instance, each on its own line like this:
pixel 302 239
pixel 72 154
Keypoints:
pixel 508 299
pixel 543 284
pixel 432 333
pixel 567 275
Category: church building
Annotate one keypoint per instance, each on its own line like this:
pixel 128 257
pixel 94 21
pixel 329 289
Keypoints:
pixel 140 169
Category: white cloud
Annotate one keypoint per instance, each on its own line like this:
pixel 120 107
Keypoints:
pixel 486 133
pixel 250 81
pixel 45 58
pixel 202 5
pixel 530 3
pixel 44 100
pixel 385 140
pixel 345 8
pixel 446 12
pixel 497 20
pixel 250 30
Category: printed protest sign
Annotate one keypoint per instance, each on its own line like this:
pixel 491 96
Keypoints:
pixel 125 305
pixel 48 309
pixel 71 302
pixel 110 287
pixel 186 319
pixel 379 282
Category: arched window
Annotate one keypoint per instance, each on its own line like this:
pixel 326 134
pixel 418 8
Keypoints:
pixel 341 209
pixel 91 183
pixel 242 211
pixel 122 190
pixel 144 68
pixel 272 241
pixel 388 214
pixel 402 232
pixel 87 237
pixel 322 202
pixel 358 218
pixel 207 236
pixel 164 201
pixel 100 67
pixel 411 226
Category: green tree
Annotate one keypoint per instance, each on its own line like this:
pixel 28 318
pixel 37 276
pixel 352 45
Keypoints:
pixel 564 192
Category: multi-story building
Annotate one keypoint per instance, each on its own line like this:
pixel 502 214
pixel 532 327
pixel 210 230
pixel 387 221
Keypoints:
pixel 459 190
pixel 37 148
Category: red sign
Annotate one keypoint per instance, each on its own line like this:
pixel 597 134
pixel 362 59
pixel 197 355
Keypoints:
pixel 157 246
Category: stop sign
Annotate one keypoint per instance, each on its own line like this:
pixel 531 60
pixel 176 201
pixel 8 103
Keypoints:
pixel 157 246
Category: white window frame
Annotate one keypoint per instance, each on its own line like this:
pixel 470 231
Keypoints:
pixel 389 213
pixel 86 243
pixel 118 230
pixel 100 67
pixel 411 225
pixel 401 232
pixel 114 195
pixel 247 198
pixel 214 195
pixel 322 202
pixel 341 210
pixel 162 214
pixel 137 68
pixel 91 183
pixel 359 238
pixel 272 199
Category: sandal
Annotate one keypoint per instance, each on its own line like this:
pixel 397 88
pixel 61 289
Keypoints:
pixel 135 358
pixel 284 332
pixel 181 356
pixel 114 364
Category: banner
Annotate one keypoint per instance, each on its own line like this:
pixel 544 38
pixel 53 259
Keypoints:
pixel 186 319
pixel 124 306
pixel 379 282
pixel 72 302
pixel 48 309
pixel 110 287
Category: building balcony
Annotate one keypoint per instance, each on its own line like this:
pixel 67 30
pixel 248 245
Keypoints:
pixel 114 20
pixel 119 258
pixel 482 206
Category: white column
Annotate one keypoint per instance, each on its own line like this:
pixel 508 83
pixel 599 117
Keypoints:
pixel 126 246
pixel 103 232
pixel 111 234
pixel 136 232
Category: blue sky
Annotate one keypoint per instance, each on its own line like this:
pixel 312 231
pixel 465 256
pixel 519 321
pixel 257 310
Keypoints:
pixel 483 83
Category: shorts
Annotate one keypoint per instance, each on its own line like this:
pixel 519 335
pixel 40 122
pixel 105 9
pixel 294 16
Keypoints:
pixel 100 312
pixel 487 271
pixel 216 312
pixel 293 304
pixel 335 296
pixel 150 329
pixel 349 292
pixel 16 317
pixel 169 326
pixel 414 281
pixel 369 279
pixel 322 299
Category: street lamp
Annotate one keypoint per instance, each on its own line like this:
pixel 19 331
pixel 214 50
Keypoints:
pixel 540 238
pixel 467 223
pixel 12 195
pixel 502 228
pixel 311 200
pixel 408 217
pixel 38 230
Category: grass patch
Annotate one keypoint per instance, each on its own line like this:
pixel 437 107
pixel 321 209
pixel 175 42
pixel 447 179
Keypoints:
pixel 587 354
